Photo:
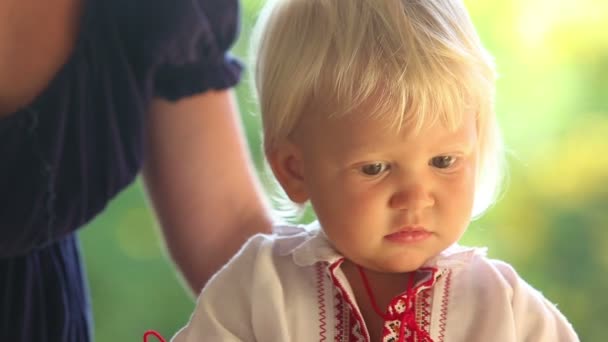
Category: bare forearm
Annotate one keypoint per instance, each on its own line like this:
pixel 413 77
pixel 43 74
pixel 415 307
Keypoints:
pixel 222 231
pixel 200 181
pixel 199 258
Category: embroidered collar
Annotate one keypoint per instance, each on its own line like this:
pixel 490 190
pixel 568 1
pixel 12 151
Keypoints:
pixel 309 245
pixel 313 246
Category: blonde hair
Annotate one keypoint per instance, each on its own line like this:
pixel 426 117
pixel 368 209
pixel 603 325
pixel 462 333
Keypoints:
pixel 413 61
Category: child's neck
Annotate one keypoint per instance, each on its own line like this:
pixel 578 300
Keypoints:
pixel 384 287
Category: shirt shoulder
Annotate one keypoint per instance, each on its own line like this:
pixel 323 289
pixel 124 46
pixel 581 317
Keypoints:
pixel 262 248
pixel 495 287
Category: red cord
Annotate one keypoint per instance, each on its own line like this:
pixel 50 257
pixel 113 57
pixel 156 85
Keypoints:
pixel 408 317
pixel 155 334
pixel 370 294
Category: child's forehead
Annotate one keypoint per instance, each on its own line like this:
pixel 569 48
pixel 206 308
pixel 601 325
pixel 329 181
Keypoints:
pixel 353 136
pixel 356 130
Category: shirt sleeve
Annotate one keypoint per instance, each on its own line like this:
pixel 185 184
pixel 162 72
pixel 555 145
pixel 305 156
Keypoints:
pixel 224 307
pixel 194 52
pixel 535 317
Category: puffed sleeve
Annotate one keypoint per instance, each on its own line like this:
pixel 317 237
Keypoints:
pixel 65 155
pixel 193 54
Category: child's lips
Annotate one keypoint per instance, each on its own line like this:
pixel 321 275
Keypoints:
pixel 409 235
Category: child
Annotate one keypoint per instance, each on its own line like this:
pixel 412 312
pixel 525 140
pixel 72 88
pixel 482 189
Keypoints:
pixel 380 113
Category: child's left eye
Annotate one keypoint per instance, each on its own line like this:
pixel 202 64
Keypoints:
pixel 442 162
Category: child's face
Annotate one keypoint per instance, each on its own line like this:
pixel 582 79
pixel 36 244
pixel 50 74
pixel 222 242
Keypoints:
pixel 389 200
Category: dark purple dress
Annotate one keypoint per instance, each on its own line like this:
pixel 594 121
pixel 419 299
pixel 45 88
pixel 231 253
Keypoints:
pixel 80 142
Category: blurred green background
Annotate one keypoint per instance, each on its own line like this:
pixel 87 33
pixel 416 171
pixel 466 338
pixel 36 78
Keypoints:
pixel 551 223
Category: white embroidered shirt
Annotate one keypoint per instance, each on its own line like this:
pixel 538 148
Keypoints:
pixel 289 287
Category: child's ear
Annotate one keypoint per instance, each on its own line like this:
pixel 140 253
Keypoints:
pixel 286 164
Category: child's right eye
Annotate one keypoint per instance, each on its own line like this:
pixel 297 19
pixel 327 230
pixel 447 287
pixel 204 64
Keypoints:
pixel 374 169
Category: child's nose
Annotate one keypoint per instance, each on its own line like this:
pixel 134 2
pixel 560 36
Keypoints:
pixel 414 196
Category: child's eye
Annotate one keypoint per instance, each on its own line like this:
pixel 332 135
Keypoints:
pixel 442 162
pixel 374 169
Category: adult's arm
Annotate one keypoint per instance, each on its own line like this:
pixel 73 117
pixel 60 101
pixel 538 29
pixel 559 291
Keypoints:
pixel 200 181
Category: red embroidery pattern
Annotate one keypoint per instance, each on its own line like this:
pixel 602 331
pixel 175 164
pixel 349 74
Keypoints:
pixel 349 324
pixel 402 318
pixel 341 318
pixel 321 301
pixel 356 332
pixel 444 306
pixel 348 328
pixel 353 328
pixel 423 310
